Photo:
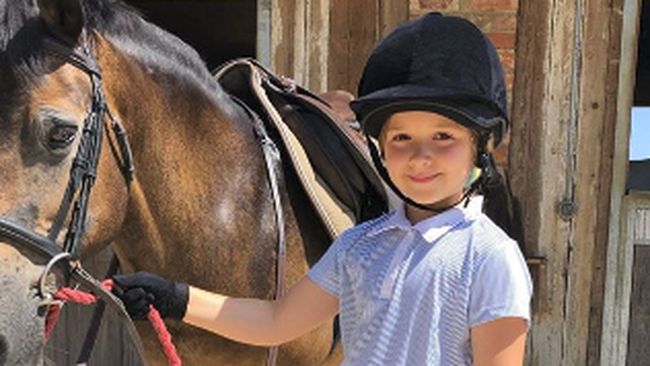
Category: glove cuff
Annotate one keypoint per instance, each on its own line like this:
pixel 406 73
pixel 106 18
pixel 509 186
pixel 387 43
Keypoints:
pixel 178 306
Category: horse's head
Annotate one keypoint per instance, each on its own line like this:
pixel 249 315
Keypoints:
pixel 200 208
pixel 46 98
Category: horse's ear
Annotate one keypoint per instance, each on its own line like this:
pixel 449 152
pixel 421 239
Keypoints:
pixel 65 18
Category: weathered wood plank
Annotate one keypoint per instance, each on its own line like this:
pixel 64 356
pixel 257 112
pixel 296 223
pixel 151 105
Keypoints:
pixel 317 45
pixel 538 162
pixel 391 14
pixel 339 44
pixel 597 108
pixel 283 14
pixel 300 41
pixel 638 352
pixel 641 226
pixel 564 93
pixel 323 44
pixel 353 34
pixel 618 262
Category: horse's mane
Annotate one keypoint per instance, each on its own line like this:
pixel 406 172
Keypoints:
pixel 151 45
pixel 124 27
pixel 13 15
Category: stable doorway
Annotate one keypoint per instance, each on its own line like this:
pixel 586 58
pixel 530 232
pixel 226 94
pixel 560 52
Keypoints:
pixel 219 30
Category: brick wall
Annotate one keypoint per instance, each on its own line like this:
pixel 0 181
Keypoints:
pixel 496 18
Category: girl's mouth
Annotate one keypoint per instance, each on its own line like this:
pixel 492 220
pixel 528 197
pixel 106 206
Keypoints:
pixel 424 178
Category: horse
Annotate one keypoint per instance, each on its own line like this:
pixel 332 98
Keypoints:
pixel 198 207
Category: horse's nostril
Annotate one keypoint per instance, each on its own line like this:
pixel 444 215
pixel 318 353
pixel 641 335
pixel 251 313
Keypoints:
pixel 4 349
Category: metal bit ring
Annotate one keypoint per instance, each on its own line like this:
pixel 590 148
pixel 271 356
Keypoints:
pixel 48 268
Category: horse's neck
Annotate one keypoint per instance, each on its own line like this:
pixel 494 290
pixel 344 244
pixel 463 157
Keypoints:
pixel 197 199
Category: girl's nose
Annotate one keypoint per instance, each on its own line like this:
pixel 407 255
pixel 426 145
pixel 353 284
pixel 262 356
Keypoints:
pixel 422 153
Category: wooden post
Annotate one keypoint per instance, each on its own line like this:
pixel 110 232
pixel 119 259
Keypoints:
pixel 616 304
pixel 298 34
pixel 564 110
pixel 283 43
pixel 356 27
pixel 323 44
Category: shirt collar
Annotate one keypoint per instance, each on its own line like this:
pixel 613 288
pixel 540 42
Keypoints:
pixel 434 227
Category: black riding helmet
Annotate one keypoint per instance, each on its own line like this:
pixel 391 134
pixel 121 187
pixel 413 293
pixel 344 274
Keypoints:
pixel 436 63
pixel 441 64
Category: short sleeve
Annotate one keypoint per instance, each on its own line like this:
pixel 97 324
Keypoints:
pixel 326 272
pixel 502 287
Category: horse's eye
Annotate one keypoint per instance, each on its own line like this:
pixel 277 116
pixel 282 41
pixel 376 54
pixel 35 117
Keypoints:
pixel 60 137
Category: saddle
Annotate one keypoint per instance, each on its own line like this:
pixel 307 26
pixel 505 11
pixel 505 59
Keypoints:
pixel 329 157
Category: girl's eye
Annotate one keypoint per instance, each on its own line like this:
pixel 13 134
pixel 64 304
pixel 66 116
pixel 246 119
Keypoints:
pixel 59 137
pixel 401 137
pixel 442 136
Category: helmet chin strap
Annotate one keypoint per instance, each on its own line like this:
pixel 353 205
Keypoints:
pixel 480 175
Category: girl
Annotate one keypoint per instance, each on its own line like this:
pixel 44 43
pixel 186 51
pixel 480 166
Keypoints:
pixel 434 282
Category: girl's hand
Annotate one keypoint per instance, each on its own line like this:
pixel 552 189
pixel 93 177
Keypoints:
pixel 139 290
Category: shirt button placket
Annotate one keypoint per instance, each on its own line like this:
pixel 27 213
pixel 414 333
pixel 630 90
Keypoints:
pixel 393 270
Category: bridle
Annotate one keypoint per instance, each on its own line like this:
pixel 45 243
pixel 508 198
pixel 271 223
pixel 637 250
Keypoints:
pixel 83 174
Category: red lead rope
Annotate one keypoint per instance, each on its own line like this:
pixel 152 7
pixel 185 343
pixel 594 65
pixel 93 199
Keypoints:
pixel 85 298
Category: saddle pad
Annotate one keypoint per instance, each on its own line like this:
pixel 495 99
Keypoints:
pixel 330 162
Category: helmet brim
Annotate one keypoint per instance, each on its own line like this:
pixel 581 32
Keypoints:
pixel 374 109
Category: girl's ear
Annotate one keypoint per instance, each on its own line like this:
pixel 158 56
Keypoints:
pixel 474 175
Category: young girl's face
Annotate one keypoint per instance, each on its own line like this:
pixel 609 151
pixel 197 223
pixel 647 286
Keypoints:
pixel 428 156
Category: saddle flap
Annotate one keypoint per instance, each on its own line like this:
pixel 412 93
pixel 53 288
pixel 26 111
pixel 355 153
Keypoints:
pixel 336 155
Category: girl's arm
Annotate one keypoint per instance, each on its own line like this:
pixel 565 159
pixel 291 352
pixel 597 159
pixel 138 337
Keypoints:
pixel 499 342
pixel 260 322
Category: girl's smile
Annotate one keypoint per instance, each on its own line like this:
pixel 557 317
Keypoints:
pixel 424 178
pixel 428 157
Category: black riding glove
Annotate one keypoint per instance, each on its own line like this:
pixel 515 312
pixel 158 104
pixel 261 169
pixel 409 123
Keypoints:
pixel 139 290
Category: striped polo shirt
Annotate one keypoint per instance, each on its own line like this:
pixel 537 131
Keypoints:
pixel 409 294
